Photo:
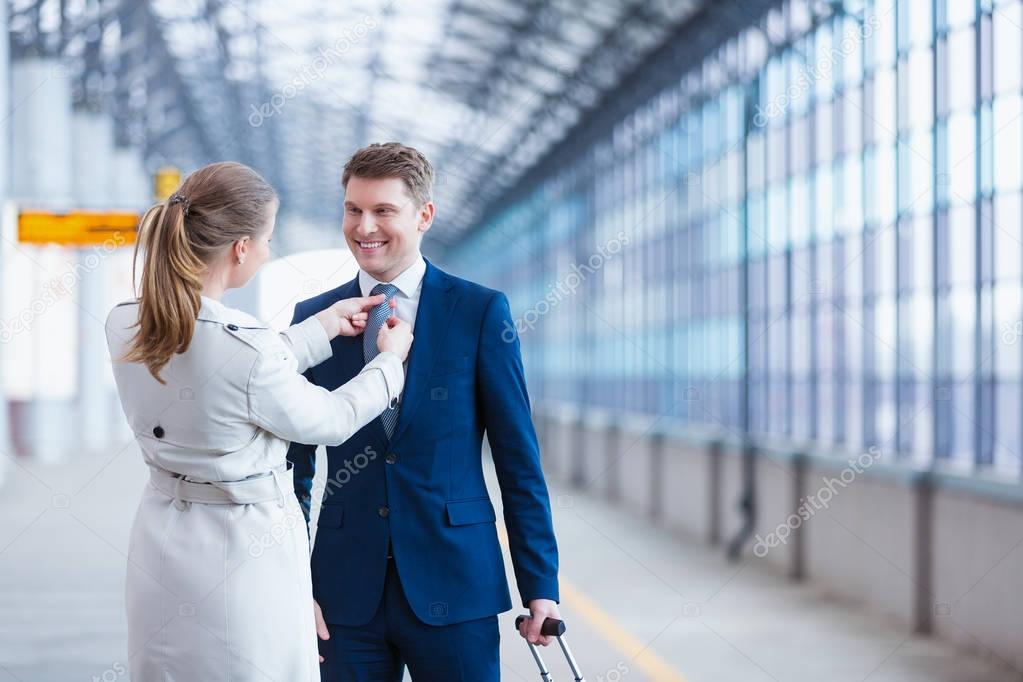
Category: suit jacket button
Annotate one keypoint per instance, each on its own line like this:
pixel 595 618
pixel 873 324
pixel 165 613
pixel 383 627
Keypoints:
pixel 391 458
pixel 383 511
pixel 158 432
pixel 233 327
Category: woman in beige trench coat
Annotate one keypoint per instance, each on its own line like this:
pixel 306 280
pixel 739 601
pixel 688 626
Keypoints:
pixel 218 584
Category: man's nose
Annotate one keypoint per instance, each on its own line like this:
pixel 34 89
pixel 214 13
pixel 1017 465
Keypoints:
pixel 366 225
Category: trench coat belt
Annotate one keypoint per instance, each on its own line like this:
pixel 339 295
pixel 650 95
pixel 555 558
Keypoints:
pixel 263 488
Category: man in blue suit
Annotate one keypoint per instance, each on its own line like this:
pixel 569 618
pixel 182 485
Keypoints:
pixel 407 567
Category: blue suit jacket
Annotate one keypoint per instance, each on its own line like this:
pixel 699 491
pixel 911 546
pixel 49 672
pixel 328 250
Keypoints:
pixel 424 490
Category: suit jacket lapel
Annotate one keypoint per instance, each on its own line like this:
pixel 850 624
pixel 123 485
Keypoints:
pixel 436 304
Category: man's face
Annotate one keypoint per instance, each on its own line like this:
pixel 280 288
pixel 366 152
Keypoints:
pixel 383 226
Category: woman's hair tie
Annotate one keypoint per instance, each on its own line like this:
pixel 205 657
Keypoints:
pixel 178 198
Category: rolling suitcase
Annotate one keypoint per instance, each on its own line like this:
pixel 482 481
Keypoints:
pixel 552 628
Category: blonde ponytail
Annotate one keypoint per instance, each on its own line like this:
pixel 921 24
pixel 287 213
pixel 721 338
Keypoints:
pixel 215 206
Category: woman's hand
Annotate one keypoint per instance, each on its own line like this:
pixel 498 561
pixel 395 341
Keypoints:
pixel 321 626
pixel 396 336
pixel 348 317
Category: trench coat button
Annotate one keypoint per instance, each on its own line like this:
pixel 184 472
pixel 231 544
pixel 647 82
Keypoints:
pixel 233 327
pixel 391 458
pixel 158 432
pixel 383 511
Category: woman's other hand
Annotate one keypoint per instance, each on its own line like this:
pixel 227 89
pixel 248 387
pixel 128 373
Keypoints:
pixel 396 336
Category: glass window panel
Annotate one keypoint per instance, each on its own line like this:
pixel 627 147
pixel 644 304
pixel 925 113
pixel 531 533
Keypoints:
pixel 883 184
pixel 853 324
pixel 962 239
pixel 959 13
pixel 823 61
pixel 800 205
pixel 851 47
pixel 921 320
pixel 852 270
pixel 824 131
pixel 885 98
pixel 961 68
pixel 757 231
pixel 1007 142
pixel 853 121
pixel 823 199
pixel 1008 248
pixel 1007 427
pixel 962 423
pixel 883 33
pixel 777 217
pixel 849 214
pixel 923 252
pixel 962 171
pixel 883 338
pixel 885 415
pixel 1007 36
pixel 920 88
pixel 1008 299
pixel 920 21
pixel 916 168
pixel 961 321
pixel 883 258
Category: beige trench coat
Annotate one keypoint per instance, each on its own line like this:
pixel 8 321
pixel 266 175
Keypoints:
pixel 218 584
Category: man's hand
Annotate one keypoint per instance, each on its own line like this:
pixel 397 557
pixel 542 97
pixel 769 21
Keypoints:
pixel 321 625
pixel 539 611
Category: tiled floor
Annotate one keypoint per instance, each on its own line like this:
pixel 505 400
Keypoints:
pixel 640 603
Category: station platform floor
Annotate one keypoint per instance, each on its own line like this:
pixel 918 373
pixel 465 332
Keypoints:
pixel 641 604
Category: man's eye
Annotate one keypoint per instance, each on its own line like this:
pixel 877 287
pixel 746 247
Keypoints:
pixel 353 210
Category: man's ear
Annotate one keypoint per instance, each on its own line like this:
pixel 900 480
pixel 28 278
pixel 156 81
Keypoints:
pixel 426 213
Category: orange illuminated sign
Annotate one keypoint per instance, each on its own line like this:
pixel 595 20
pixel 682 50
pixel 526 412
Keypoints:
pixel 77 227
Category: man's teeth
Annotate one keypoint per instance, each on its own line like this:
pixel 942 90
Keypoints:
pixel 370 245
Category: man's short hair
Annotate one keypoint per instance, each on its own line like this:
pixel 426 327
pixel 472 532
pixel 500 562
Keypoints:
pixel 393 160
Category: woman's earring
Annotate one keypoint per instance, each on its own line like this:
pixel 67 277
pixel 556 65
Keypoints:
pixel 240 261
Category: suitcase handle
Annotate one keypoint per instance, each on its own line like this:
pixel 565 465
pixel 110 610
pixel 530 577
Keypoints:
pixel 552 627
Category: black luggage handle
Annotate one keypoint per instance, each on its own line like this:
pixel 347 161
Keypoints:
pixel 552 627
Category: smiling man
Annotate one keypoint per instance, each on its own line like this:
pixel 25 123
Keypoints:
pixel 407 566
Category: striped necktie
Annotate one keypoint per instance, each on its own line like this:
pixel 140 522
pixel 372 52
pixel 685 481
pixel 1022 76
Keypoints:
pixel 377 317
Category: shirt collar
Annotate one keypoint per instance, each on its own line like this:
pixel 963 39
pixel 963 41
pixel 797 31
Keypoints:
pixel 407 282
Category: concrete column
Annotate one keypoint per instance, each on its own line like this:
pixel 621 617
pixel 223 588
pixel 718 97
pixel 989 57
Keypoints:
pixel 41 175
pixel 131 184
pixel 6 447
pixel 92 153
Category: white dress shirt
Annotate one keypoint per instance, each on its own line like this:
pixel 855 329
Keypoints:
pixel 410 286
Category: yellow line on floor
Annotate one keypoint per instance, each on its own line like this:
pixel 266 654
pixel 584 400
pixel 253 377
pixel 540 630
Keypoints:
pixel 655 667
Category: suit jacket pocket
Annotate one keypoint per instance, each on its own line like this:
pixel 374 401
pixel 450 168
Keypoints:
pixel 475 510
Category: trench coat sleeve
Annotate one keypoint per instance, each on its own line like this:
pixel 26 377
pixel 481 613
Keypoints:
pixel 283 402
pixel 308 343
